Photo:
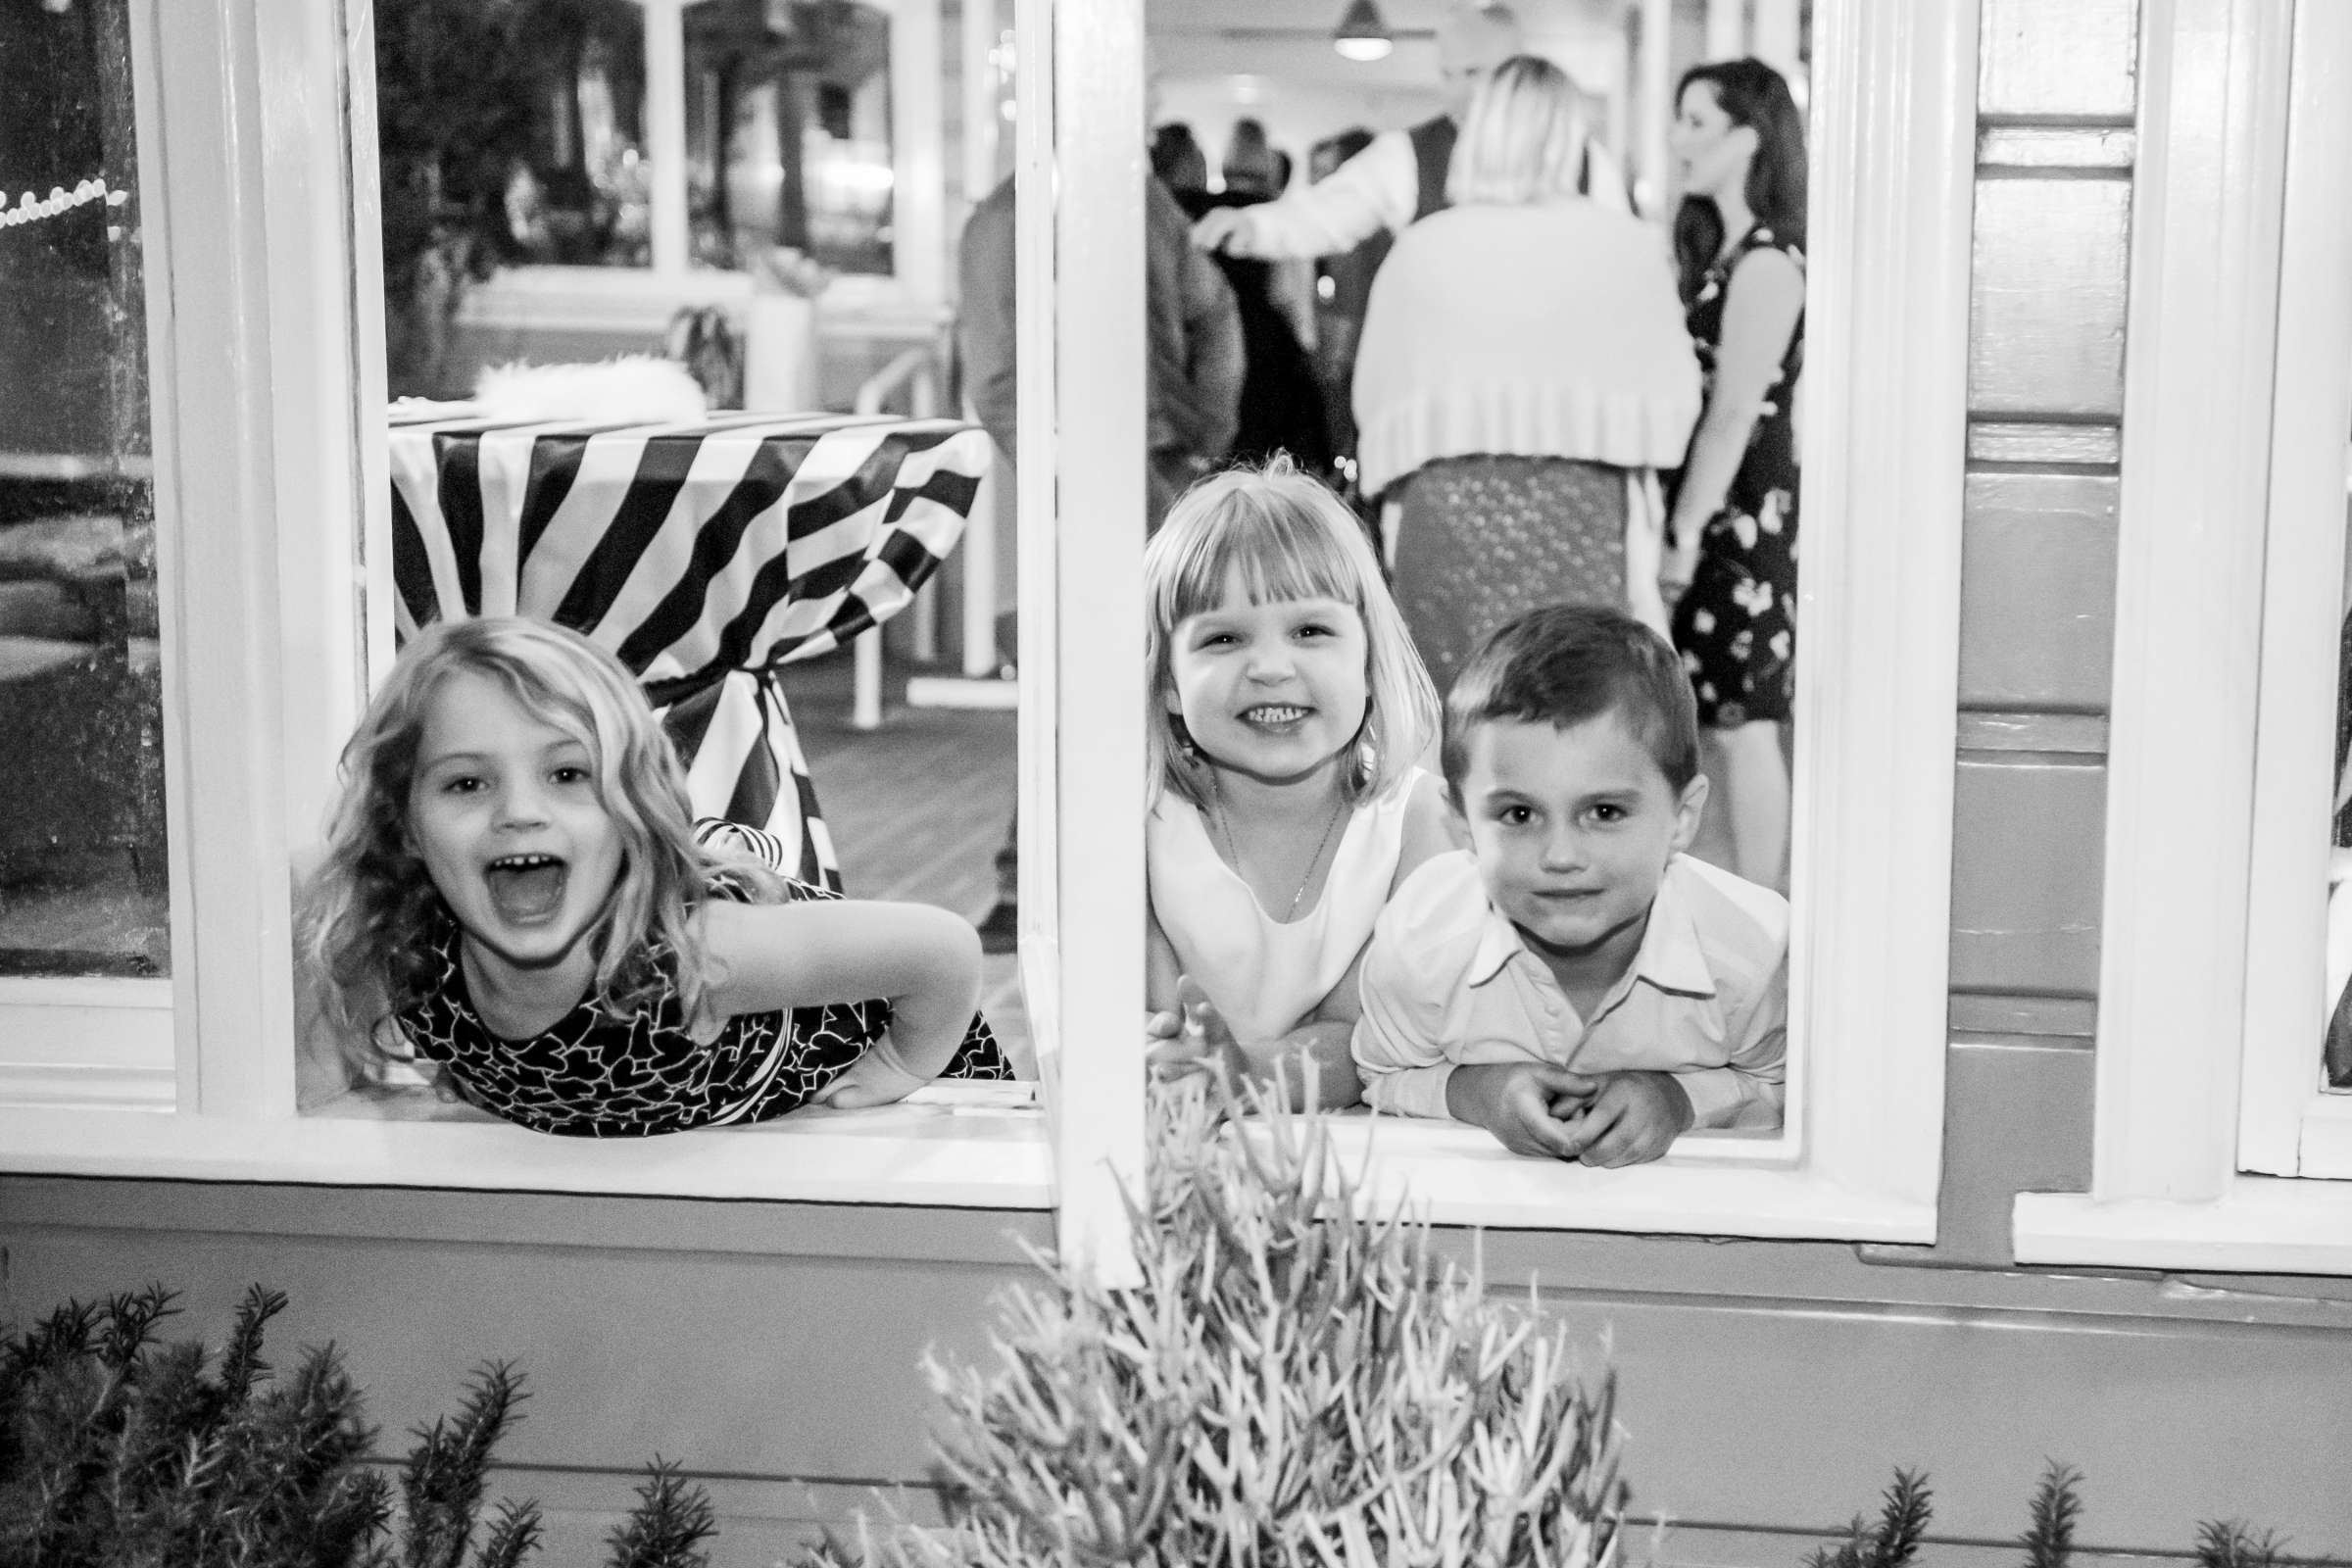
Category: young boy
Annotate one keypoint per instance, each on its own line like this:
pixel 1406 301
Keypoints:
pixel 1573 982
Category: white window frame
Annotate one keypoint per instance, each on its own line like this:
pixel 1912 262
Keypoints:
pixel 2237 397
pixel 2286 1125
pixel 909 303
pixel 1886 325
pixel 262 353
pixel 257 343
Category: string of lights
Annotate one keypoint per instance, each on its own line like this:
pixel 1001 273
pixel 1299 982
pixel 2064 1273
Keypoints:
pixel 31 209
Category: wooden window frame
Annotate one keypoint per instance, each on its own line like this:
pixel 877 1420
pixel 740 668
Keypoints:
pixel 2237 397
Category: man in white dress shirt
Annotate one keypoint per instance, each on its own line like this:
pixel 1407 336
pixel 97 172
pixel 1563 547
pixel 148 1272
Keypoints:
pixel 1400 176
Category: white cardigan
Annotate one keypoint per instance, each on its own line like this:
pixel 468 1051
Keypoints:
pixel 1549 330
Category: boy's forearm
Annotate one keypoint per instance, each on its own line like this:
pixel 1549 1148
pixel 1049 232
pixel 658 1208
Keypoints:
pixel 1470 1091
pixel 1719 1095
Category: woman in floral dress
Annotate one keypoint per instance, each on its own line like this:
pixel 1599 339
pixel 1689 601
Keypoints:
pixel 1730 564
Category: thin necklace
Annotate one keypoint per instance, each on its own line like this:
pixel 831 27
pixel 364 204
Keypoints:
pixel 1233 854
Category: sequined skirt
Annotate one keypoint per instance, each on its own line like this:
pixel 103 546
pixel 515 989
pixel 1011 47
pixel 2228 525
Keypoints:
pixel 1482 540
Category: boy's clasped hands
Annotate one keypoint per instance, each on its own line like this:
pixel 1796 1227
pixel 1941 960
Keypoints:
pixel 1532 1108
pixel 1535 1108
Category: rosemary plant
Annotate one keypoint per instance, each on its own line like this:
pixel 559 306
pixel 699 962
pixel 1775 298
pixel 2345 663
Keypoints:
pixel 1893 1540
pixel 118 1452
pixel 2050 1518
pixel 2048 1541
pixel 1294 1383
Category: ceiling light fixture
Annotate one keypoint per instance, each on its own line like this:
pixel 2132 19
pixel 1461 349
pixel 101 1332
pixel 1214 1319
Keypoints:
pixel 1362 34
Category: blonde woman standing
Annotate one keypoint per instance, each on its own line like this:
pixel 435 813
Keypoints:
pixel 1523 371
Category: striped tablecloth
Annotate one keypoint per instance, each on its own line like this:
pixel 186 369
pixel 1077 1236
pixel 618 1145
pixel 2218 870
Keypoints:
pixel 705 555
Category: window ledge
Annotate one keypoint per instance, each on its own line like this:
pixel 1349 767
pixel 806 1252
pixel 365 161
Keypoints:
pixel 1710 1185
pixel 940 1153
pixel 636 299
pixel 2260 1224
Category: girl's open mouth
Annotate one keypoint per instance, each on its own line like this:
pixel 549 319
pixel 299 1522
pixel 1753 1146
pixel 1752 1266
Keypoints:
pixel 525 887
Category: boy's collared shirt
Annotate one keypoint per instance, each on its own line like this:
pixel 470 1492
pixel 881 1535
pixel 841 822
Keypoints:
pixel 1448 981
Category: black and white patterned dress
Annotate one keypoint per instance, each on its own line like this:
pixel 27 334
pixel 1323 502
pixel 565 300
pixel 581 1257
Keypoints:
pixel 1736 624
pixel 599 1073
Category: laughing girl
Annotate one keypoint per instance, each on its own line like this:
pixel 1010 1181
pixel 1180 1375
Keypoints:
pixel 514 883
pixel 1288 715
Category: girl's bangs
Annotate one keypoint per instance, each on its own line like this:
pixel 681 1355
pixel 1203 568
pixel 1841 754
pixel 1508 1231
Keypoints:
pixel 1281 552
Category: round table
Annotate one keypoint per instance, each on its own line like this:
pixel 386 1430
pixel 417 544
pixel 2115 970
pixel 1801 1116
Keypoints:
pixel 705 555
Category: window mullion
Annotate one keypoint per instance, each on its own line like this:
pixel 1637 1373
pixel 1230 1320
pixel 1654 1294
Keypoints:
pixel 255 400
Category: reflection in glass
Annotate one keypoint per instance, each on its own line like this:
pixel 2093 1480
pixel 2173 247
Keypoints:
pixel 82 874
pixel 788 131
pixel 580 194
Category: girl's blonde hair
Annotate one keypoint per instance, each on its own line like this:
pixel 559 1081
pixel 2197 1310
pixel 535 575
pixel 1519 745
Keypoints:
pixel 1523 139
pixel 369 909
pixel 1290 538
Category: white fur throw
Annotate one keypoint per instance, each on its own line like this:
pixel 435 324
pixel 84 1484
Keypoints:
pixel 634 389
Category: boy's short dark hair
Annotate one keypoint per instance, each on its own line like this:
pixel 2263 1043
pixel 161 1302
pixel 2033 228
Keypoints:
pixel 1566 664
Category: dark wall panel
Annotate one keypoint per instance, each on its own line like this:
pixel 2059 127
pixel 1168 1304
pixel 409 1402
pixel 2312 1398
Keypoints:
pixel 2038 591
pixel 2046 312
pixel 2025 875
pixel 2016 1118
pixel 1766 1386
pixel 2071 59
pixel 734 1339
pixel 1794 1413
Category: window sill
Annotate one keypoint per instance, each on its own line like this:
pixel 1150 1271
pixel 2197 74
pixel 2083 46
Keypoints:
pixel 952 1148
pixel 636 299
pixel 2260 1224
pixel 1712 1184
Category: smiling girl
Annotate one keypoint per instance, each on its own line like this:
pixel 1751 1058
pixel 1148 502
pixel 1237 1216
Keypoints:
pixel 1288 710
pixel 514 883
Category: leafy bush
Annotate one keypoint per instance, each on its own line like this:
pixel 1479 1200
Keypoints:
pixel 117 1451
pixel 1294 1383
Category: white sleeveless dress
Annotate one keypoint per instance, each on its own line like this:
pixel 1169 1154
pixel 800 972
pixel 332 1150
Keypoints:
pixel 1265 975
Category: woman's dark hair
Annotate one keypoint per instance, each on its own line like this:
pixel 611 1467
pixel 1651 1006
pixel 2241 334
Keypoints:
pixel 1753 94
pixel 1177 157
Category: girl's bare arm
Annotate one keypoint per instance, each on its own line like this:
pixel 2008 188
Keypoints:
pixel 925 960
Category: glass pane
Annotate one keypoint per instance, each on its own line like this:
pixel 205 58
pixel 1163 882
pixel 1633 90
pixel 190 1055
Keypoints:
pixel 2336 1050
pixel 1555 220
pixel 508 133
pixel 83 873
pixel 788 133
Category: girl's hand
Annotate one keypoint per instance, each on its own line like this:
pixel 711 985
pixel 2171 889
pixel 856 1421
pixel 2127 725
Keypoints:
pixel 874 1079
pixel 1202 1037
